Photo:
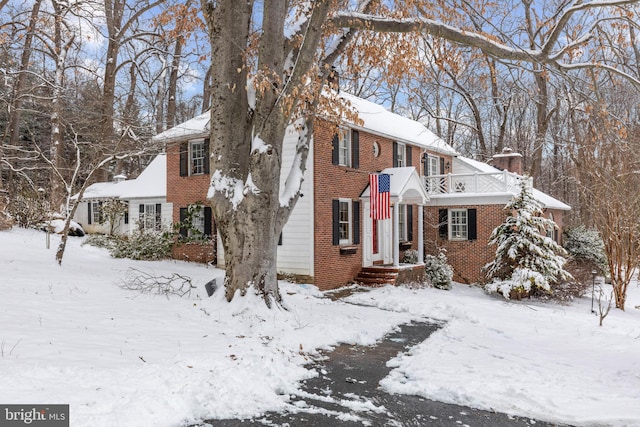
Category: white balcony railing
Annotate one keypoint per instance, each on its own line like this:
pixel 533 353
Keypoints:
pixel 492 182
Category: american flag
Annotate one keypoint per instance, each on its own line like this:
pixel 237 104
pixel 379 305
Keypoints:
pixel 380 190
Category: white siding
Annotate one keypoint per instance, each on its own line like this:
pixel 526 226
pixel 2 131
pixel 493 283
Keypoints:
pixel 166 212
pixel 295 255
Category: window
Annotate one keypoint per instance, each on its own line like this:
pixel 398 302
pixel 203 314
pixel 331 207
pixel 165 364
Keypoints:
pixel 197 157
pixel 95 212
pixel 432 167
pixel 344 218
pixel 195 222
pixel 402 222
pixel 457 224
pixel 346 222
pixel 346 148
pixel 401 159
pixel 150 217
pixel 194 157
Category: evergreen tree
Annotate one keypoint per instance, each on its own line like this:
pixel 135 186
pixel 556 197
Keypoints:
pixel 526 259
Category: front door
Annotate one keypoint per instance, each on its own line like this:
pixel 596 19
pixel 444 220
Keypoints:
pixel 377 242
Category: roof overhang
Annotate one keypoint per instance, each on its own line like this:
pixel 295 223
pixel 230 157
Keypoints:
pixel 406 187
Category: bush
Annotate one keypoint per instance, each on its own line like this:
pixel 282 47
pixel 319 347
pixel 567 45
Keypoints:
pixel 143 245
pixel 438 270
pixel 586 247
pixel 410 256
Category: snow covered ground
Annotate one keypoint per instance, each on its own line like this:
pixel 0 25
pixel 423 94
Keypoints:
pixel 72 335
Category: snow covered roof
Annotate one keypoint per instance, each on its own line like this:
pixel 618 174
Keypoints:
pixel 198 127
pixel 546 200
pixel 152 182
pixel 376 118
pixel 405 186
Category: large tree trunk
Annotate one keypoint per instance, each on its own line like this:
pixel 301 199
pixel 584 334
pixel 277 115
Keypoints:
pixel 247 135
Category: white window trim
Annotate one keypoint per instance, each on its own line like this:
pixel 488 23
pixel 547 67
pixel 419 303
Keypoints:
pixel 451 225
pixel 191 158
pixel 401 154
pixel 96 211
pixel 433 165
pixel 402 223
pixel 349 202
pixel 157 222
pixel 344 144
pixel 198 220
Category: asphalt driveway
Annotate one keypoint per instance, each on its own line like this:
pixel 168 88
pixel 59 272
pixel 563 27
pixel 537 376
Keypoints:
pixel 346 393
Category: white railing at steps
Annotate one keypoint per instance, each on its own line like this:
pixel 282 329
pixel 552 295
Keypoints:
pixel 488 182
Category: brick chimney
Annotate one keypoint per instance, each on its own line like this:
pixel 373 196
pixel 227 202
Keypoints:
pixel 508 160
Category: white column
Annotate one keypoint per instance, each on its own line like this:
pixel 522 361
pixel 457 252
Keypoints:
pixel 420 234
pixel 396 236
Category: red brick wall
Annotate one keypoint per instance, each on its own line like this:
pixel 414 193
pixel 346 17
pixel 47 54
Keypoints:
pixel 468 257
pixel 183 191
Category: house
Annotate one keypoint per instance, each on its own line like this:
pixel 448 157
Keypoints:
pixel 145 198
pixel 330 239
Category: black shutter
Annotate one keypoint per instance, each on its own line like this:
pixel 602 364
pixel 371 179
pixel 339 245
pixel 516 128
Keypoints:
pixel 335 159
pixel 472 233
pixel 280 239
pixel 356 222
pixel 126 216
pixel 183 217
pixel 355 149
pixel 441 165
pixel 336 221
pixel 443 226
pixel 395 154
pixel 207 221
pixel 410 222
pixel 158 216
pixel 89 210
pixel 141 216
pixel 207 156
pixel 408 155
pixel 184 159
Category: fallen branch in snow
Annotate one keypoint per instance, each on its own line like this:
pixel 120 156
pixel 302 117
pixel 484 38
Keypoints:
pixel 146 283
pixel 2 345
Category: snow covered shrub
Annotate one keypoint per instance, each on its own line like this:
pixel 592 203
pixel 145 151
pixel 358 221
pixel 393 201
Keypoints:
pixel 586 247
pixel 410 256
pixel 526 261
pixel 143 245
pixel 28 208
pixel 438 271
pixel 99 241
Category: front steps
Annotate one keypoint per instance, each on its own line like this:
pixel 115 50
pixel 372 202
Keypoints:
pixel 377 276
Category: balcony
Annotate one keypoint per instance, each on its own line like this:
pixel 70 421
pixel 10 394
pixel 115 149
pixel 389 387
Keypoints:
pixel 476 183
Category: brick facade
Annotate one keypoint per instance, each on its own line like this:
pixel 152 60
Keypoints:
pixel 334 268
pixel 468 257
pixel 183 191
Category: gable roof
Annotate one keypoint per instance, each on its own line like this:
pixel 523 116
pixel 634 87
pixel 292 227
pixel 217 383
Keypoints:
pixel 197 127
pixel 376 119
pixel 405 186
pixel 383 122
pixel 152 182
pixel 546 200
